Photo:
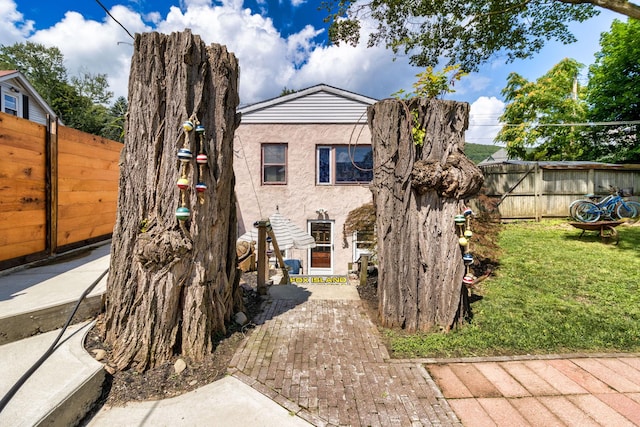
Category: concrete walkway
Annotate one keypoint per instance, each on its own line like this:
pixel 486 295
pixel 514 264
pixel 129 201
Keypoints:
pixel 315 358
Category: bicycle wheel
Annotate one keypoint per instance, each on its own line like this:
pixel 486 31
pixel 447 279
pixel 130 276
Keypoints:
pixel 635 215
pixel 587 212
pixel 626 210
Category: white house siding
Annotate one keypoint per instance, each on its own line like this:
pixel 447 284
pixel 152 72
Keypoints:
pixel 36 112
pixel 300 198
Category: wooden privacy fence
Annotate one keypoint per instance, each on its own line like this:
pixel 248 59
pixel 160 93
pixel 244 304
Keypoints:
pixel 58 189
pixel 533 190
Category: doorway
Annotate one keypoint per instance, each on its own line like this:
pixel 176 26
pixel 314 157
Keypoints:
pixel 321 257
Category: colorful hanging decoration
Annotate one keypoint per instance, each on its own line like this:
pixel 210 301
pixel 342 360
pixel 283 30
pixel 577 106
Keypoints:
pixel 185 156
pixel 201 160
pixel 463 223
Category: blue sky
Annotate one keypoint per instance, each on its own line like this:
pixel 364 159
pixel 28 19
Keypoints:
pixel 279 43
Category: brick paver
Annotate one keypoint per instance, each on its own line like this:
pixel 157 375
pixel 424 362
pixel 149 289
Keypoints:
pixel 324 360
pixel 571 391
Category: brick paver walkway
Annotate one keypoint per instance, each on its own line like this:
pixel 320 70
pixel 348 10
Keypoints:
pixel 324 361
pixel 577 391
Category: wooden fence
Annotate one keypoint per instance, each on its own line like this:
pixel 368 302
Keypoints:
pixel 533 190
pixel 58 189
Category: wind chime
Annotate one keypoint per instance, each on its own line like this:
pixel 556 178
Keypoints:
pixel 185 156
pixel 463 222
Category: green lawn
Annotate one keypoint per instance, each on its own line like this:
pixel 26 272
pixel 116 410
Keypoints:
pixel 552 293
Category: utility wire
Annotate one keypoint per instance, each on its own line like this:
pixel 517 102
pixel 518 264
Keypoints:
pixel 117 22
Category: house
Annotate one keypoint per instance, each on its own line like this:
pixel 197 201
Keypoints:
pixel 20 99
pixel 498 157
pixel 307 155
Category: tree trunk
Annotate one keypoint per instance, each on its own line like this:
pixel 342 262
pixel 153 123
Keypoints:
pixel 417 192
pixel 173 282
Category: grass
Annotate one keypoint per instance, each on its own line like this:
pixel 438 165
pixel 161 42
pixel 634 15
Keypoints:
pixel 552 293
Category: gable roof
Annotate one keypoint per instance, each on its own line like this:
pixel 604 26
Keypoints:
pixel 317 104
pixel 7 75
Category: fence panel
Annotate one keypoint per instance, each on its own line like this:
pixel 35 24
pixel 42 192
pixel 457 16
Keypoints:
pixel 22 187
pixel 532 190
pixel 87 186
pixel 58 189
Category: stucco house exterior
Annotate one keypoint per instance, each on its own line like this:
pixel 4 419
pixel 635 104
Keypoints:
pixel 20 99
pixel 308 156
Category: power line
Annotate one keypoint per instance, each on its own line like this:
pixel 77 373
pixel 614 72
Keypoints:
pixel 587 124
pixel 111 16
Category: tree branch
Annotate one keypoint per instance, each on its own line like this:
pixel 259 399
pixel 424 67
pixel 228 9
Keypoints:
pixel 626 8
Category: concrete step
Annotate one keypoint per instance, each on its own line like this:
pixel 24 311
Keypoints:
pixel 35 302
pixel 61 391
pixel 39 299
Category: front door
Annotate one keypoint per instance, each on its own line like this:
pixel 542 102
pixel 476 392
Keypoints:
pixel 321 257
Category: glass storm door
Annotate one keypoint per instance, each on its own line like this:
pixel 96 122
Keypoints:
pixel 321 257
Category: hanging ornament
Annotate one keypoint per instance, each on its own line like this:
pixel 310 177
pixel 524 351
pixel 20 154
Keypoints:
pixel 185 155
pixel 182 213
pixel 183 183
pixel 468 281
pixel 187 126
pixel 201 187
pixel 463 241
pixel 467 259
pixel 468 233
pixel 201 159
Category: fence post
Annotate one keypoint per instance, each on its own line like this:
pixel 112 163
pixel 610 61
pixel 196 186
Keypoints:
pixel 51 184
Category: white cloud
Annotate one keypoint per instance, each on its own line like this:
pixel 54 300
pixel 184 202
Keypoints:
pixel 483 120
pixel 97 47
pixel 13 27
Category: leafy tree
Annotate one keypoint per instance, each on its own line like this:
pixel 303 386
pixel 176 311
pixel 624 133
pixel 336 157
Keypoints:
pixel 466 32
pixel 80 102
pixel 93 86
pixel 42 66
pixel 114 127
pixel 613 94
pixel 540 114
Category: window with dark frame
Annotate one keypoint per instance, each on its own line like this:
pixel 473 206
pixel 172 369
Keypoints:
pixel 343 164
pixel 274 163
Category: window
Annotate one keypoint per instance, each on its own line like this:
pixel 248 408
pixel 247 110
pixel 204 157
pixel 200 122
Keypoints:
pixel 344 164
pixel 274 163
pixel 10 104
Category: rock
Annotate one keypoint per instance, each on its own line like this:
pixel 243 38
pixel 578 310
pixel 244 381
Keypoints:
pixel 194 382
pixel 99 354
pixel 240 318
pixel 179 366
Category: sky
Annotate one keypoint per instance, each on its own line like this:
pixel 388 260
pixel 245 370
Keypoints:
pixel 279 44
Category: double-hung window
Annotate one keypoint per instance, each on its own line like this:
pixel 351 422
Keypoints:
pixel 10 104
pixel 344 164
pixel 274 164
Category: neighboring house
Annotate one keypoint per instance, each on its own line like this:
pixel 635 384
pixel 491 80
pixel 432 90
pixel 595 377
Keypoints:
pixel 498 157
pixel 20 99
pixel 294 155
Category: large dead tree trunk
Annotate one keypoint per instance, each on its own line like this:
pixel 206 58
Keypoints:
pixel 173 283
pixel 417 192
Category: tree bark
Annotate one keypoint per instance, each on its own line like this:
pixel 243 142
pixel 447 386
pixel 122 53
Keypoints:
pixel 173 284
pixel 417 192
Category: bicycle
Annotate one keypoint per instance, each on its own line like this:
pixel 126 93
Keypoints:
pixel 612 207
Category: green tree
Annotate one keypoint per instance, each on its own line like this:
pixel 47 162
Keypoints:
pixel 613 94
pixel 541 114
pixel 466 32
pixel 42 66
pixel 114 126
pixel 80 102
